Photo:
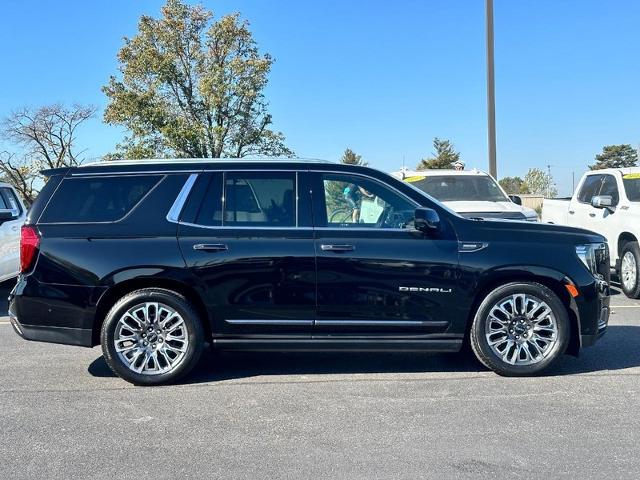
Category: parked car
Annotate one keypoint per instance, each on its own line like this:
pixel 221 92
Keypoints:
pixel 12 216
pixel 151 259
pixel 471 193
pixel 608 202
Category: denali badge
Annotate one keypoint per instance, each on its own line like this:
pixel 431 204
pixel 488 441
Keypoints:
pixel 425 289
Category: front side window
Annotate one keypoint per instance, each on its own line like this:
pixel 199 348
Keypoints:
pixel 354 201
pixel 97 199
pixel 266 199
pixel 590 188
pixel 610 188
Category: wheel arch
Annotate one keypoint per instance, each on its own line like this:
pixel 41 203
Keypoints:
pixel 117 291
pixel 623 239
pixel 552 279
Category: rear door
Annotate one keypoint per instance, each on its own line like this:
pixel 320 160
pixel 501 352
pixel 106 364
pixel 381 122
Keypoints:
pixel 375 273
pixel 247 238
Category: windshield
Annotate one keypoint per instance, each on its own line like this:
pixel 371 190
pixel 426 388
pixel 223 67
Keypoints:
pixel 455 188
pixel 632 186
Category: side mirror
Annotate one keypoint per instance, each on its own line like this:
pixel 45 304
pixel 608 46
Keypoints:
pixel 516 199
pixel 426 220
pixel 602 201
pixel 8 214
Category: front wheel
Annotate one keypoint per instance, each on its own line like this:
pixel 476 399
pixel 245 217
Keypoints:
pixel 151 337
pixel 520 329
pixel 629 266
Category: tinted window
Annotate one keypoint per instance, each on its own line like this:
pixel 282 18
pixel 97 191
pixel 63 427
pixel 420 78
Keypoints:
pixel 451 188
pixel 260 199
pixel 632 187
pixel 10 200
pixel 3 203
pixel 590 188
pixel 610 187
pixel 97 199
pixel 354 201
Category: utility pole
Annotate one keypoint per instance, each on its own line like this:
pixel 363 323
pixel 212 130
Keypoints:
pixel 491 93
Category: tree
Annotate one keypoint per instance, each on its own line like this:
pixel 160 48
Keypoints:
pixel 192 87
pixel 540 183
pixel 514 185
pixel 44 138
pixel 443 158
pixel 616 156
pixel 349 157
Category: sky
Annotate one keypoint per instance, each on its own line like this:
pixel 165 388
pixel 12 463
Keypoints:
pixel 380 77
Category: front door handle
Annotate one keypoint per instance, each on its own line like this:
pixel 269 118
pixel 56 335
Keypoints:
pixel 592 214
pixel 337 248
pixel 571 212
pixel 211 247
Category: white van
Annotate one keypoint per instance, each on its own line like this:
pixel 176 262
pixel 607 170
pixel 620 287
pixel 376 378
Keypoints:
pixel 471 193
pixel 12 215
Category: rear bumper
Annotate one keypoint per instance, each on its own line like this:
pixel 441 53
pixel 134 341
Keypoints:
pixel 53 313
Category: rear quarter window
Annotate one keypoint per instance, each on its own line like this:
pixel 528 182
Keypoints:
pixel 97 199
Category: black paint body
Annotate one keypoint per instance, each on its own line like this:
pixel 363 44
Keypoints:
pixel 276 288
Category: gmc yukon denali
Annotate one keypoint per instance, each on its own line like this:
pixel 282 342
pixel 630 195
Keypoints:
pixel 153 260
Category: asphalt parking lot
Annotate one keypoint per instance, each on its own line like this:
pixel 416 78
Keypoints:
pixel 64 415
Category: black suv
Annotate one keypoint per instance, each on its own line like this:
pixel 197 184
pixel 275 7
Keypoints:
pixel 155 259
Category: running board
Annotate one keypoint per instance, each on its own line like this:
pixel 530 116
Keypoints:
pixel 338 344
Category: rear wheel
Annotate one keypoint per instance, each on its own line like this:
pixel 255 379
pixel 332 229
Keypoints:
pixel 629 270
pixel 152 336
pixel 520 329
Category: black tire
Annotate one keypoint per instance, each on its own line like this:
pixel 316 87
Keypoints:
pixel 486 355
pixel 632 248
pixel 192 324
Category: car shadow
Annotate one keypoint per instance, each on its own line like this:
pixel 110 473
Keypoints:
pixel 5 290
pixel 615 351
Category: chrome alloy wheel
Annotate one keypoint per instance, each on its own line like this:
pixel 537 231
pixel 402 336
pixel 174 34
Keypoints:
pixel 521 329
pixel 629 271
pixel 151 338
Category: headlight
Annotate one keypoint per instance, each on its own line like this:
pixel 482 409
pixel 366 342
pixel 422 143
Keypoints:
pixel 587 254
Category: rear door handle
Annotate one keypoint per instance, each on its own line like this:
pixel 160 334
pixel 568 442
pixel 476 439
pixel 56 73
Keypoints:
pixel 337 248
pixel 571 212
pixel 592 214
pixel 211 247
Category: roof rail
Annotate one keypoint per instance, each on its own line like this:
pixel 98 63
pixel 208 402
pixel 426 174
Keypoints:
pixel 203 160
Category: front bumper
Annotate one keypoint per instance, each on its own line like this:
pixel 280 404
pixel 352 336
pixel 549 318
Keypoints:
pixel 593 309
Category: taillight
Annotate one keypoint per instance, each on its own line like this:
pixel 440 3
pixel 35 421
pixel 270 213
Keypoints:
pixel 29 243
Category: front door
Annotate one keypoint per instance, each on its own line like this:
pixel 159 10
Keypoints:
pixel 375 273
pixel 248 240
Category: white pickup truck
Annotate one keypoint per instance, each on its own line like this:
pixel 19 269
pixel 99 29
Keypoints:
pixel 607 202
pixel 12 216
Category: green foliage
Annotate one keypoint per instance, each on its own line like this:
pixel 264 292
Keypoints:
pixel 334 191
pixel 349 157
pixel 514 185
pixel 443 158
pixel 540 183
pixel 192 86
pixel 616 156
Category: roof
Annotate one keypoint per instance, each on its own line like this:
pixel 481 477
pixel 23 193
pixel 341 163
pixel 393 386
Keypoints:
pixel 402 174
pixel 190 161
pixel 624 171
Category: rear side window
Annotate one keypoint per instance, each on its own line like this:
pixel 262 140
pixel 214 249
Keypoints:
pixel 97 199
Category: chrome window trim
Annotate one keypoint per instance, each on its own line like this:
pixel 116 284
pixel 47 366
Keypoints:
pixel 174 212
pixel 173 219
pixel 383 323
pixel 268 322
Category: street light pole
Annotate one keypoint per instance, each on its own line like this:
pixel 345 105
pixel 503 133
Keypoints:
pixel 491 94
